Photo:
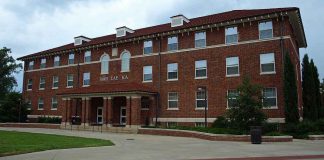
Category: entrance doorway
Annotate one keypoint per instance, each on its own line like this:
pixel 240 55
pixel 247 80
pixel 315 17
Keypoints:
pixel 99 115
pixel 122 115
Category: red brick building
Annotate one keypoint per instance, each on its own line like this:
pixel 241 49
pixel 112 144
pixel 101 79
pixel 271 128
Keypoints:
pixel 161 73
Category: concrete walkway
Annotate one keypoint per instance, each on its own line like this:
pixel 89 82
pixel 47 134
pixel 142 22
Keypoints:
pixel 147 147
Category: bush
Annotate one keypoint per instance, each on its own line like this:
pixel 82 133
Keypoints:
pixel 55 120
pixel 320 125
pixel 270 127
pixel 302 129
pixel 220 122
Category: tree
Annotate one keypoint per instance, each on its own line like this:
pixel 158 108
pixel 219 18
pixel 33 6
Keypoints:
pixel 290 92
pixel 322 99
pixel 8 67
pixel 316 91
pixel 13 108
pixel 310 109
pixel 247 111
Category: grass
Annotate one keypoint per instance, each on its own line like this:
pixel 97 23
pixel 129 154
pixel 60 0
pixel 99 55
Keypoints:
pixel 12 142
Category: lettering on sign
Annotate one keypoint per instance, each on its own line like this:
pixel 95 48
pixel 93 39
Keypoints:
pixel 113 77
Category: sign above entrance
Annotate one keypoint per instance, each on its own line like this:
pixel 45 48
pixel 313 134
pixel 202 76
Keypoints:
pixel 113 77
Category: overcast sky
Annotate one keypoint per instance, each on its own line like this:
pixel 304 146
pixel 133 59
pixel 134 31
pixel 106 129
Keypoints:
pixel 28 26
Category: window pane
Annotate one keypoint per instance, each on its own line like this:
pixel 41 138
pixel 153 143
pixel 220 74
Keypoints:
pixel 147 77
pixel 267 58
pixel 172 47
pixel 200 43
pixel 104 64
pixel 125 62
pixel 267 67
pixel 231 38
pixel 173 104
pixel 265 25
pixel 173 96
pixel 231 31
pixel 87 56
pixel 232 61
pixel 201 73
pixel 200 35
pixel 201 64
pixel 172 75
pixel 266 34
pixel 147 69
pixel 201 103
pixel 232 70
pixel 172 40
pixel 148 50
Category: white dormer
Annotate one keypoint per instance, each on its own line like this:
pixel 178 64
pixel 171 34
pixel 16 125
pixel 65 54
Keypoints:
pixel 178 20
pixel 122 31
pixel 80 40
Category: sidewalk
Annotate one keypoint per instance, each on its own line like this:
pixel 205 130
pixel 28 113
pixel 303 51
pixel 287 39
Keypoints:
pixel 148 147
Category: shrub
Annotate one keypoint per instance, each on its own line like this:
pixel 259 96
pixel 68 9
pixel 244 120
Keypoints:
pixel 302 129
pixel 270 127
pixel 320 125
pixel 220 122
pixel 55 120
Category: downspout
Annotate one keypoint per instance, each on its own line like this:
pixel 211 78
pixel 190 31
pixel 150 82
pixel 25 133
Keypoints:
pixel 159 86
pixel 78 84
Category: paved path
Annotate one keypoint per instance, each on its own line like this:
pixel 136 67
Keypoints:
pixel 147 147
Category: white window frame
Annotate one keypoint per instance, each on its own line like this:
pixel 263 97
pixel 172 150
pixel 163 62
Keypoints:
pixel 276 92
pixel 169 42
pixel 125 60
pixel 173 79
pixel 84 74
pixel 31 65
pixel 177 100
pixel 29 83
pixel 39 103
pixel 237 32
pixel 40 83
pixel 68 80
pixel 54 102
pixel 274 64
pixel 151 68
pixel 102 63
pixel 196 38
pixel 201 108
pixel 260 29
pixel 87 54
pixel 71 57
pixel 144 46
pixel 56 59
pixel 204 77
pixel 234 65
pixel 53 87
pixel 43 63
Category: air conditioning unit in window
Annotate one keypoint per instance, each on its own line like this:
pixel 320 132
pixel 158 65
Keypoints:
pixel 178 20
pixel 122 31
pixel 79 40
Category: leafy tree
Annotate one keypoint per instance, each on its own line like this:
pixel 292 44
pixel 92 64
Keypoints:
pixel 322 99
pixel 310 109
pixel 13 108
pixel 290 92
pixel 247 111
pixel 8 67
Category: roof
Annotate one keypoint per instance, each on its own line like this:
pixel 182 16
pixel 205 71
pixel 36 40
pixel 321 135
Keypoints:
pixel 199 21
pixel 108 89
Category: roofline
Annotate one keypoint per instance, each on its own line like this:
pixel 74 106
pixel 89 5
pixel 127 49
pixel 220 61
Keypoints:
pixel 157 34
pixel 302 27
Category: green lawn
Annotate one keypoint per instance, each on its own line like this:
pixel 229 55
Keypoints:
pixel 12 142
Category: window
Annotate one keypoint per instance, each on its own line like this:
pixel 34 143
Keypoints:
pixel 173 71
pixel 125 60
pixel 148 47
pixel 147 74
pixel 87 57
pixel 200 39
pixel 104 64
pixel 232 98
pixel 55 82
pixel 71 58
pixel 29 105
pixel 43 63
pixel 42 83
pixel 40 103
pixel 231 35
pixel 173 43
pixel 265 30
pixel 200 99
pixel 145 103
pixel 54 103
pixel 31 65
pixel 232 66
pixel 201 69
pixel 56 61
pixel 29 84
pixel 270 97
pixel 69 82
pixel 86 79
pixel 267 62
pixel 199 124
pixel 172 100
